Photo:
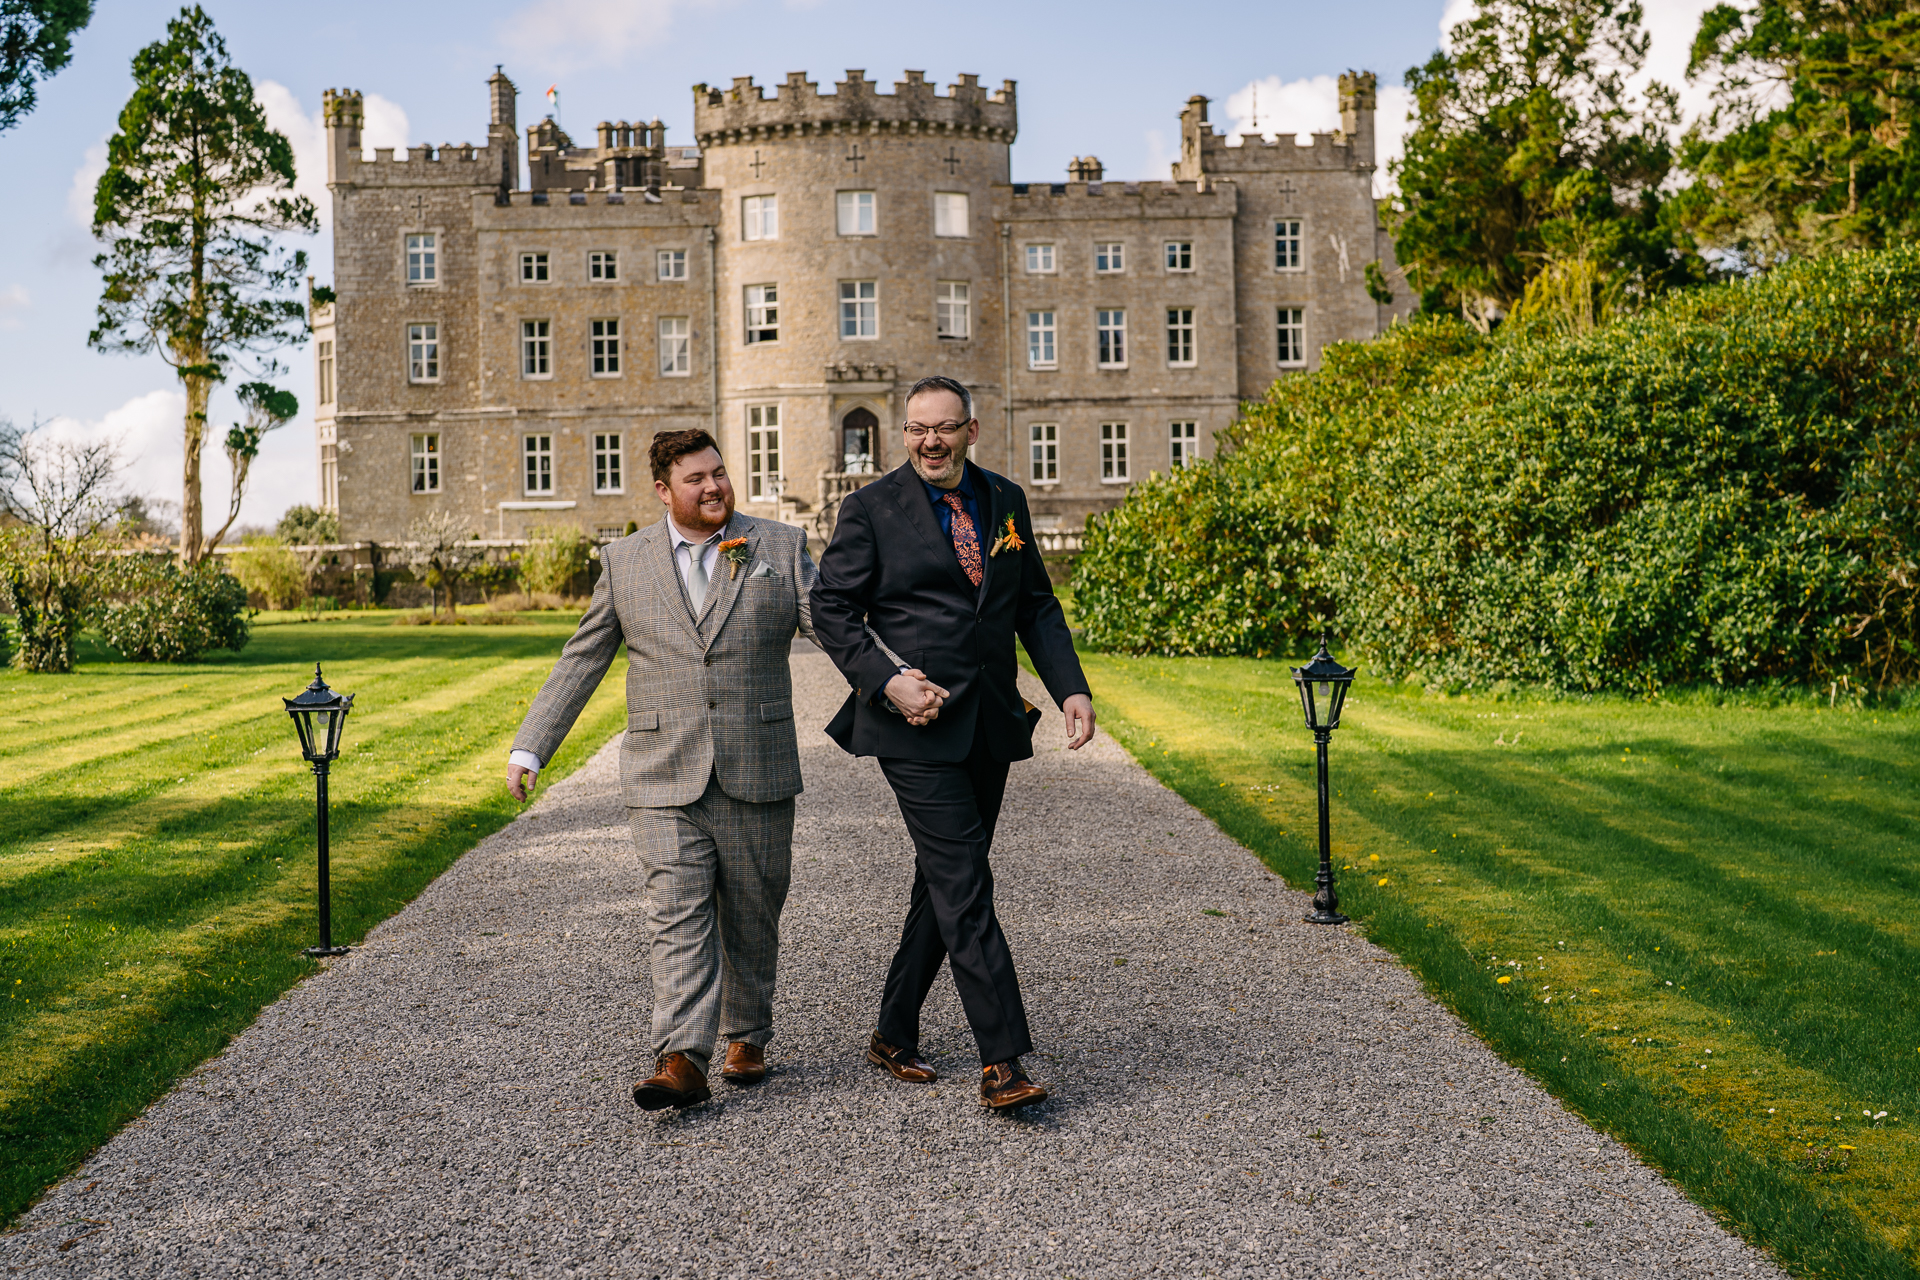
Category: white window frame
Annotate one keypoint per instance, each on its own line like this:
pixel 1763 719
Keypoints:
pixel 1110 258
pixel 1289 245
pixel 1043 453
pixel 1041 260
pixel 1110 337
pixel 323 371
pixel 1183 442
pixel 952 309
pixel 854 213
pixel 760 217
pixel 1114 467
pixel 423 258
pixel 603 265
pixel 425 453
pixel 536 350
pixel 952 215
pixel 423 351
pixel 1181 348
pixel 1043 340
pixel 603 347
pixel 859 310
pixel 1179 256
pixel 676 346
pixel 609 462
pixel 536 464
pixel 764 457
pixel 1290 337
pixel 762 304
pixel 536 267
pixel 670 264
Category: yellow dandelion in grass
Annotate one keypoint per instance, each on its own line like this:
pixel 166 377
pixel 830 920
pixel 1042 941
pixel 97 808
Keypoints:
pixel 1373 857
pixel 1383 879
pixel 1845 1147
pixel 1594 991
pixel 1504 979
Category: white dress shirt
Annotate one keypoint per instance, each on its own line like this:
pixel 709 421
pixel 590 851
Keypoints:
pixel 683 552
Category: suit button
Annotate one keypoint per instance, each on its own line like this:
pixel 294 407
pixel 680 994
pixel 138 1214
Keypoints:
pixel 712 703
pixel 708 659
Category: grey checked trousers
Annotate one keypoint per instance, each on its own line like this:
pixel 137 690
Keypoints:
pixel 717 877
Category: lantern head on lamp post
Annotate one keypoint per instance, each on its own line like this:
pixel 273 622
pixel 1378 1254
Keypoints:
pixel 319 714
pixel 1323 687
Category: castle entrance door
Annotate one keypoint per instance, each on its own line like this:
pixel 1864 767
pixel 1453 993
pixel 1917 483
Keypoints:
pixel 859 441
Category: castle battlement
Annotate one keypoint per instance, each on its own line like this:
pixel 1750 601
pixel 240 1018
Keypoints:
pixel 744 113
pixel 1202 151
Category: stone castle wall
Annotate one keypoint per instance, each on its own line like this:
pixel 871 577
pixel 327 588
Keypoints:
pixel 899 154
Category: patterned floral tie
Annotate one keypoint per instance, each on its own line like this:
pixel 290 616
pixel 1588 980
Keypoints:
pixel 965 544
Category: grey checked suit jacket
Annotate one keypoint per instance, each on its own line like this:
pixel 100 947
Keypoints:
pixel 705 697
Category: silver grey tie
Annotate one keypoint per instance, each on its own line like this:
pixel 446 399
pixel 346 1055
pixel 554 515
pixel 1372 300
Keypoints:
pixel 697 575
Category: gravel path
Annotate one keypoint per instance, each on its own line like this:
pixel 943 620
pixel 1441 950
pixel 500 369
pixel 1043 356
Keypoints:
pixel 451 1099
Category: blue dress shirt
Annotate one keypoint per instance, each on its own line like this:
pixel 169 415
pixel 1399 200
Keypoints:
pixel 944 513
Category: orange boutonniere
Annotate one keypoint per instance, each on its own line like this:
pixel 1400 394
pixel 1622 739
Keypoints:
pixel 735 550
pixel 1009 540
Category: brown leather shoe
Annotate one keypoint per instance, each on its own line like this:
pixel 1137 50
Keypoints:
pixel 745 1064
pixel 1004 1087
pixel 677 1083
pixel 905 1064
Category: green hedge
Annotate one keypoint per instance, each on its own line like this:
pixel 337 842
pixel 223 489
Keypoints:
pixel 1230 557
pixel 1721 488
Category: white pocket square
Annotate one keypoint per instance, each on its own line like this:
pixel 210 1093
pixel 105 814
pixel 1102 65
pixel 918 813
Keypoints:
pixel 763 570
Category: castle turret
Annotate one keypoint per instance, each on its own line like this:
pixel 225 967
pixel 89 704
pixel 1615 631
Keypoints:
pixel 503 128
pixel 344 113
pixel 1357 96
pixel 1085 169
pixel 744 113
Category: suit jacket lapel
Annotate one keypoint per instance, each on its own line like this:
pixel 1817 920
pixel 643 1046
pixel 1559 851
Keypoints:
pixel 993 507
pixel 657 563
pixel 910 495
pixel 724 588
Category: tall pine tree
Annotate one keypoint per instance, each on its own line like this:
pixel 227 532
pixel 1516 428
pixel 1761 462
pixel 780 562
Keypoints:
pixel 1530 154
pixel 196 189
pixel 1810 144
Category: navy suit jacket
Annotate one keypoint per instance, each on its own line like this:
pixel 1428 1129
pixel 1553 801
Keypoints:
pixel 892 567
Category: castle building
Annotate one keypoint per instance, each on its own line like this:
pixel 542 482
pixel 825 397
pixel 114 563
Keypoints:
pixel 506 351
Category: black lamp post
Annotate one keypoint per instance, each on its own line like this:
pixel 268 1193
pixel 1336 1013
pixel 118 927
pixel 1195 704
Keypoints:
pixel 1323 691
pixel 319 714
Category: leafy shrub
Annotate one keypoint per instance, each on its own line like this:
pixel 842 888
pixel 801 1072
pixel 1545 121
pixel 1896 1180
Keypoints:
pixel 304 526
pixel 1228 556
pixel 1725 487
pixel 1720 488
pixel 554 556
pixel 157 612
pixel 271 569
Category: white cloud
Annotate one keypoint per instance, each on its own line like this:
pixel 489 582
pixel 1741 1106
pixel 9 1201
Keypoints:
pixel 1305 107
pixel 1162 154
pixel 14 299
pixel 85 179
pixel 147 430
pixel 574 33
pixel 385 125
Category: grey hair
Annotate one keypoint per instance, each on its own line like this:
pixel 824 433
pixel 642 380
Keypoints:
pixel 939 382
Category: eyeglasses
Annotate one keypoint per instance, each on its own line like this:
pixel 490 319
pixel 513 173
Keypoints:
pixel 945 430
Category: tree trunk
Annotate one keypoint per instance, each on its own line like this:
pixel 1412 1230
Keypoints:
pixel 199 391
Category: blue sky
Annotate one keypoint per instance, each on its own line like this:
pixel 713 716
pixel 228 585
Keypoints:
pixel 1107 79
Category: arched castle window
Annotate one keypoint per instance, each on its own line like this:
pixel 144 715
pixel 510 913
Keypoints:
pixel 859 436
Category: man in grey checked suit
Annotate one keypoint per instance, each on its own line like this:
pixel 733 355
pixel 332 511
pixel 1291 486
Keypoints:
pixel 706 602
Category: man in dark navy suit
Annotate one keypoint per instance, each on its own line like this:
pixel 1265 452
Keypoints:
pixel 931 574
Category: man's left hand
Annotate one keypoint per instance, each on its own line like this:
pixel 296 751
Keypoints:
pixel 1079 710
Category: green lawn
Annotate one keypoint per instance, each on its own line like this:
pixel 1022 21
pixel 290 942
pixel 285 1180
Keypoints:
pixel 157 845
pixel 1696 924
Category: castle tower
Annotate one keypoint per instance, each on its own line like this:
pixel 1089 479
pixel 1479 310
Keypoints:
pixel 857 252
pixel 344 113
pixel 1356 115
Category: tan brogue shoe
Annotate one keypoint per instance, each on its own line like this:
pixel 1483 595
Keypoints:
pixel 905 1064
pixel 1004 1087
pixel 745 1064
pixel 677 1083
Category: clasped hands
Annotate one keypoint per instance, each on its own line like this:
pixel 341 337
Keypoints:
pixel 920 699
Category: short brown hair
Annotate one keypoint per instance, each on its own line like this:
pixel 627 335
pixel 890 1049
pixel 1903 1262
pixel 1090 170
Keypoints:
pixel 669 447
